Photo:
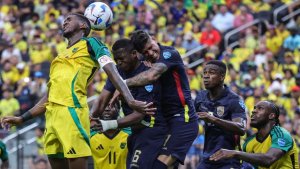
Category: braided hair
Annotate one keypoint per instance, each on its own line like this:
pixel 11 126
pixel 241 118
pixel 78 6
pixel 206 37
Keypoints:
pixel 276 110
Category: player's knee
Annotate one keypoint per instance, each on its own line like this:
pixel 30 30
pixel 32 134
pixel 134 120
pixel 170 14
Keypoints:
pixel 168 160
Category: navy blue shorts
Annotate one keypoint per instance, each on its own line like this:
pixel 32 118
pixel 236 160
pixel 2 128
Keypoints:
pixel 180 139
pixel 144 147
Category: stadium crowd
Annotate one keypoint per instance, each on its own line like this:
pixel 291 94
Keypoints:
pixel 264 64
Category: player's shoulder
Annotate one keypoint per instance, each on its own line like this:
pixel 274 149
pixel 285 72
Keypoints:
pixel 280 132
pixel 169 52
pixel 94 41
pixel 202 95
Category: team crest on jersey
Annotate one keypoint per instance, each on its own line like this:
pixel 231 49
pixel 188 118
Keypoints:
pixel 75 50
pixel 167 55
pixel 149 88
pixel 220 111
pixel 122 145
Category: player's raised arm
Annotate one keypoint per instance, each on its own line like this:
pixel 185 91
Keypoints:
pixel 148 76
pixel 37 110
pixel 118 82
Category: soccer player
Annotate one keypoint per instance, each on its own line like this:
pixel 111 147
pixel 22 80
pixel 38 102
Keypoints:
pixel 271 147
pixel 109 149
pixel 3 156
pixel 148 132
pixel 224 114
pixel 177 107
pixel 65 106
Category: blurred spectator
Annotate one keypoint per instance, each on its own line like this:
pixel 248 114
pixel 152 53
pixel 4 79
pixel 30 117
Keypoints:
pixel 40 162
pixel 210 36
pixel 292 42
pixel 9 106
pixel 38 85
pixel 24 94
pixel 178 10
pixel 223 20
pixel 242 18
pixel 39 132
pixel 11 51
pixel 273 41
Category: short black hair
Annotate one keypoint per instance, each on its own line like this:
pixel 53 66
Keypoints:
pixel 222 66
pixel 139 39
pixel 123 43
pixel 84 19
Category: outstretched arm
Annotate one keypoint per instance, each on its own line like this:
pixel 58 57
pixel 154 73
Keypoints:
pixel 119 83
pixel 38 109
pixel 127 121
pixel 148 76
pixel 236 125
pixel 264 160
pixel 114 76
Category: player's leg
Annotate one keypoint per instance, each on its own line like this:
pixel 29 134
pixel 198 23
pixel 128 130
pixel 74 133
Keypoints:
pixel 59 163
pixel 177 144
pixel 53 147
pixel 78 163
pixel 146 146
pixel 73 132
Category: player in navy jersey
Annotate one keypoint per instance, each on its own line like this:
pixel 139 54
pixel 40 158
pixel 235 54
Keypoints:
pixel 177 106
pixel 224 114
pixel 148 132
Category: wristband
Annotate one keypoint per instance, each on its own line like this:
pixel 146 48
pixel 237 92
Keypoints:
pixel 109 124
pixel 26 116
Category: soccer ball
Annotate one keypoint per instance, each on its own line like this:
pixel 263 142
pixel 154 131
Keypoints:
pixel 100 15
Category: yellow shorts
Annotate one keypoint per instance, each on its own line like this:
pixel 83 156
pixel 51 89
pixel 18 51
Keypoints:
pixel 67 133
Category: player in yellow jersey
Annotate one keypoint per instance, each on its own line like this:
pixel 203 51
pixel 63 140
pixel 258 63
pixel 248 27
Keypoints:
pixel 109 149
pixel 67 133
pixel 271 147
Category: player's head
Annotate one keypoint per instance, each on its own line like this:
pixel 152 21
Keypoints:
pixel 125 55
pixel 264 112
pixel 111 112
pixel 214 74
pixel 146 45
pixel 75 23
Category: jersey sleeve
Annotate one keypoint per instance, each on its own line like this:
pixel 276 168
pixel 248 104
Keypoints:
pixel 109 86
pixel 281 139
pixel 99 52
pixel 238 109
pixel 171 58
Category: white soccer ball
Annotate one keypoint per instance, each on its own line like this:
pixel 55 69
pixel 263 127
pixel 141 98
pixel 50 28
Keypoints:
pixel 100 15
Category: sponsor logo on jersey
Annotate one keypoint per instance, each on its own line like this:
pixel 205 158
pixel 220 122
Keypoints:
pixel 71 151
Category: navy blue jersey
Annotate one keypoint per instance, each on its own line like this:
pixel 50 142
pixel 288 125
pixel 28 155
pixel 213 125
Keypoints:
pixel 148 93
pixel 228 106
pixel 176 93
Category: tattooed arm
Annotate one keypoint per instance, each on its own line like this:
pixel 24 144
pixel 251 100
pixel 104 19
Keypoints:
pixel 148 76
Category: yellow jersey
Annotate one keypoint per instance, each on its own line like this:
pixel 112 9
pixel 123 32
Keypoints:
pixel 278 138
pixel 109 152
pixel 73 69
